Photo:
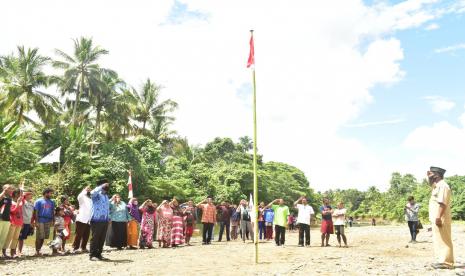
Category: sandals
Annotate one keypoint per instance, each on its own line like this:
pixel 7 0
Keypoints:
pixel 441 266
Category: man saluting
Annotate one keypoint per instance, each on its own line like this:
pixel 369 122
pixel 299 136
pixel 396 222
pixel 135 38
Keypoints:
pixel 441 219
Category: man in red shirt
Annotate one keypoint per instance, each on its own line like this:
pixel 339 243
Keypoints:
pixel 208 219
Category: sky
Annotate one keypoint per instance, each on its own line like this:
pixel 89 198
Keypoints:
pixel 348 91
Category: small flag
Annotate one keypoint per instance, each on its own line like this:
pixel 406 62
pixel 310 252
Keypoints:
pixel 251 60
pixel 130 194
pixel 53 157
pixel 251 207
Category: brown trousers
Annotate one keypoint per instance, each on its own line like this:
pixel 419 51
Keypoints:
pixel 82 235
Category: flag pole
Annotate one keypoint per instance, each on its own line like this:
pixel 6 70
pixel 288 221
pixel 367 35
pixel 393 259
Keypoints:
pixel 255 177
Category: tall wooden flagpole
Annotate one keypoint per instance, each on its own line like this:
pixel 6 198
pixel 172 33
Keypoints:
pixel 250 63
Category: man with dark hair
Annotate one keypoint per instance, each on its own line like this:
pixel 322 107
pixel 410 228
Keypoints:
pixel 441 218
pixel 327 227
pixel 99 219
pixel 44 216
pixel 411 215
pixel 281 212
pixel 303 219
pixel 226 213
pixel 83 220
pixel 208 219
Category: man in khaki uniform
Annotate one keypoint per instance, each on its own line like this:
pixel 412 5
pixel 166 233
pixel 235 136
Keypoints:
pixel 440 217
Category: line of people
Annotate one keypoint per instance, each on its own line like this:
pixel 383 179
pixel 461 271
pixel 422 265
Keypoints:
pixel 119 225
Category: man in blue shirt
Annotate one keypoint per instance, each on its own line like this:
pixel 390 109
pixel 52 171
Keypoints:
pixel 99 220
pixel 44 216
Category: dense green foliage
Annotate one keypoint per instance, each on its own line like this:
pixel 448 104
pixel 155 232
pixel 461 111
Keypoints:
pixel 389 205
pixel 106 127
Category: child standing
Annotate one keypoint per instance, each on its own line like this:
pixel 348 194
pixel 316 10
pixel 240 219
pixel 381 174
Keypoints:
pixel 290 222
pixel 189 213
pixel 27 229
pixel 68 211
pixel 16 223
pixel 147 224
pixel 58 244
pixel 269 217
pixel 235 220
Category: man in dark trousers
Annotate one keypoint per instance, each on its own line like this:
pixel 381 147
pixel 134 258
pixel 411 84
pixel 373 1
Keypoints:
pixel 303 219
pixel 99 220
pixel 226 213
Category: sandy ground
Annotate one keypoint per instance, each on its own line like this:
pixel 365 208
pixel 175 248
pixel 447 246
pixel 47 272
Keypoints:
pixel 380 250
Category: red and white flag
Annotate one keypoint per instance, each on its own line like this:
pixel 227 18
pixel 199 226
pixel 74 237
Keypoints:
pixel 130 194
pixel 251 60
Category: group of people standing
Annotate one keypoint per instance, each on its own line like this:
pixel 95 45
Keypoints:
pixel 131 225
pixel 134 225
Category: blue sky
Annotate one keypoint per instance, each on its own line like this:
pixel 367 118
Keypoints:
pixel 427 74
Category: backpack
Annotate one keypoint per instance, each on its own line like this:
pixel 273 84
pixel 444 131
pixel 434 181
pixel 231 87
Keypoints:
pixel 245 215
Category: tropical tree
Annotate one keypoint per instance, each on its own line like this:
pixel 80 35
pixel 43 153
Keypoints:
pixel 102 97
pixel 150 108
pixel 22 79
pixel 81 70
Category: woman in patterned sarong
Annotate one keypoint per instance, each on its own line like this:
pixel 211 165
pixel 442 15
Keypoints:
pixel 165 222
pixel 177 230
pixel 147 225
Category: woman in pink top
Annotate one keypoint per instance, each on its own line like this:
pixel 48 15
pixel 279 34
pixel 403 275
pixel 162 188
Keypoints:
pixel 16 223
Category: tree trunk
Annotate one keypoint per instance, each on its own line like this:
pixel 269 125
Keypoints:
pixel 97 129
pixel 78 98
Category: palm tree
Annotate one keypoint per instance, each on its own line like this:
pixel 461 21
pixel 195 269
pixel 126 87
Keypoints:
pixel 22 77
pixel 150 108
pixel 104 96
pixel 81 71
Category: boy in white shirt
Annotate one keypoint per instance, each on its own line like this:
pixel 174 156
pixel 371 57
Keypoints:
pixel 339 221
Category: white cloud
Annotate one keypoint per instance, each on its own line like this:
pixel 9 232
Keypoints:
pixel 462 120
pixel 440 144
pixel 440 104
pixel 450 49
pixel 376 123
pixel 432 27
pixel 315 67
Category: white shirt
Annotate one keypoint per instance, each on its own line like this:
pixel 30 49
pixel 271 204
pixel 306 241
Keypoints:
pixel 85 208
pixel 340 216
pixel 305 213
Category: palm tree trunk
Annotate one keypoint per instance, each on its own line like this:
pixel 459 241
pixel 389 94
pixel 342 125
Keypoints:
pixel 97 129
pixel 78 98
pixel 97 119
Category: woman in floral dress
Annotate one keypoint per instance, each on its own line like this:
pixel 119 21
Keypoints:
pixel 165 222
pixel 147 225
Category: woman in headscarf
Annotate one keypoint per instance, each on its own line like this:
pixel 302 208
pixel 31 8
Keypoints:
pixel 135 219
pixel 147 226
pixel 165 222
pixel 177 230
pixel 119 216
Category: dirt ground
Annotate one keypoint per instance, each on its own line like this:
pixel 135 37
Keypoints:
pixel 380 250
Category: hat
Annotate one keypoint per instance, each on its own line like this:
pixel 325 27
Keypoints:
pixel 438 170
